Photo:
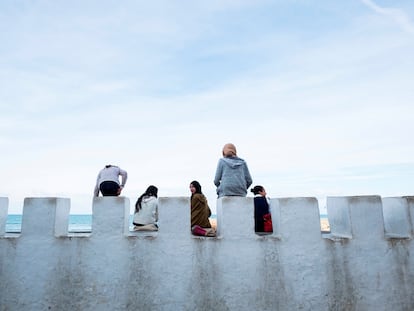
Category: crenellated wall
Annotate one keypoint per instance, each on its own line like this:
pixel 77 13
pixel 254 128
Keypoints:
pixel 364 263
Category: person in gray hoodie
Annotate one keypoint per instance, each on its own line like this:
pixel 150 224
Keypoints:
pixel 232 174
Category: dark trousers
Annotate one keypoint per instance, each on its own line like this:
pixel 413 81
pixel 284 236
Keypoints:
pixel 109 188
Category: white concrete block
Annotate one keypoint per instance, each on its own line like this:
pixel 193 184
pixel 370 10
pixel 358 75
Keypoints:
pixel 4 205
pixel 396 217
pixel 110 216
pixel 235 217
pixel 45 217
pixel 299 220
pixel 174 216
pixel 338 216
pixel 366 217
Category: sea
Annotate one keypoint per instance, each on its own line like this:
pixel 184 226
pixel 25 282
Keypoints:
pixel 77 223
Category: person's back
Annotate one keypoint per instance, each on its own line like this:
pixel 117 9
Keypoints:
pixel 148 213
pixel 232 174
pixel 200 211
pixel 107 181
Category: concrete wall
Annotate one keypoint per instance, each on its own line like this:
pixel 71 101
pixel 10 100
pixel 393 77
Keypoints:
pixel 363 264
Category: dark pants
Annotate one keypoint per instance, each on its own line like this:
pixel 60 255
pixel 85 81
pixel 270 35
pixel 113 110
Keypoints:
pixel 109 188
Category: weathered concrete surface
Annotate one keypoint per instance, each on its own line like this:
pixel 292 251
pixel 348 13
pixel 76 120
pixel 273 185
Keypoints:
pixel 364 264
pixel 4 204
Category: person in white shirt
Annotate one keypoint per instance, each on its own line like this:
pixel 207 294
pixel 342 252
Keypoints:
pixel 108 183
pixel 146 211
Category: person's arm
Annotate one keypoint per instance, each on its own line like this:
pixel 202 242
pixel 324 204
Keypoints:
pixel 124 177
pixel 247 175
pixel 219 173
pixel 96 190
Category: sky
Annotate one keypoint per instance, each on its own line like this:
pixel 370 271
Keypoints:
pixel 317 96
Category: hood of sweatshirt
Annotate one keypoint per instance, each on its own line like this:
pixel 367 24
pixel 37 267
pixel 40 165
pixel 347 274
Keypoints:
pixel 233 162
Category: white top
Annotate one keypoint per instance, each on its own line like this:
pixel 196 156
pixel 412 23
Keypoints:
pixel 111 173
pixel 148 214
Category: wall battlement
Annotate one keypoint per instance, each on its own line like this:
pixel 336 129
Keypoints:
pixel 364 263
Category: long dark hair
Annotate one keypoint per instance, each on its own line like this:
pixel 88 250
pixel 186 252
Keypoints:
pixel 151 191
pixel 197 186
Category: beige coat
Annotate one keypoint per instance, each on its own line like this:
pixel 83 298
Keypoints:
pixel 200 211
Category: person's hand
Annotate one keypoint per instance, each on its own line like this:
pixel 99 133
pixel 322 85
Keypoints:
pixel 119 190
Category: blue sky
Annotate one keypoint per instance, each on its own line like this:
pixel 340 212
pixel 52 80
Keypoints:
pixel 317 96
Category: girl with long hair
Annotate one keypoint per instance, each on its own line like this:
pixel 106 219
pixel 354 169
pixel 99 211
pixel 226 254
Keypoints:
pixel 146 210
pixel 200 212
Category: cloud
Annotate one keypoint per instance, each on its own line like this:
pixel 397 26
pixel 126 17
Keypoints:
pixel 399 16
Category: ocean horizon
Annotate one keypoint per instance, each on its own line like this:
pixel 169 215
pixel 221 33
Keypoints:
pixel 77 222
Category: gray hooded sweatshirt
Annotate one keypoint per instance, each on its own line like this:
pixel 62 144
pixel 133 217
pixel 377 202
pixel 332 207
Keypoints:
pixel 232 177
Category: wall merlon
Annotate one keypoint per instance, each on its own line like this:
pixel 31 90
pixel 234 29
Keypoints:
pixel 356 217
pixel 410 202
pixel 299 220
pixel 174 216
pixel 4 205
pixel 110 216
pixel 339 217
pixel 235 217
pixel 45 217
pixel 397 222
pixel 366 217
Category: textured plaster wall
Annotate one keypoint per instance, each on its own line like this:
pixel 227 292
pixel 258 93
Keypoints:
pixel 365 263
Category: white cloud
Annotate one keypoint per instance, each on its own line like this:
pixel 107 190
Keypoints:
pixel 397 15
